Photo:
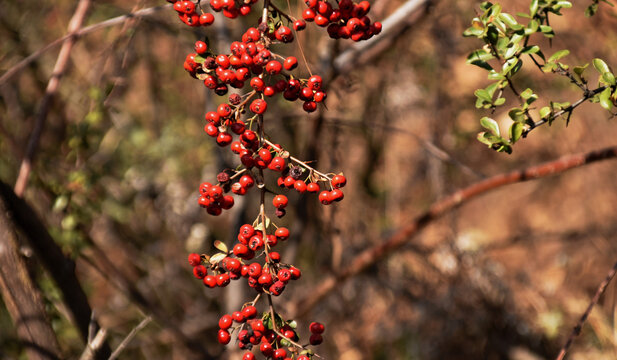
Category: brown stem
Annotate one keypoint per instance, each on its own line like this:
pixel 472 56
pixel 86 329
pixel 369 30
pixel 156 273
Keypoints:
pixel 50 92
pixel 78 33
pixel 394 242
pixel 59 267
pixel 22 298
pixel 579 326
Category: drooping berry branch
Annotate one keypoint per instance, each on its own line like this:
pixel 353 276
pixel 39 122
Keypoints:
pixel 252 64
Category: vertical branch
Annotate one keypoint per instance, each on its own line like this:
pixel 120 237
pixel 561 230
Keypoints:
pixel 59 267
pixel 579 326
pixel 22 298
pixel 50 92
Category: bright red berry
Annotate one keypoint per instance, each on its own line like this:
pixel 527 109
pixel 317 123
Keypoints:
pixel 280 201
pixel 224 337
pixel 195 259
pixel 225 321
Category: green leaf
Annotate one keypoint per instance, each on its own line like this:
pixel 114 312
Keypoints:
pixel 199 59
pixel 483 95
pixel 480 58
pixel 510 21
pixel 512 50
pixel 486 138
pixel 491 89
pixel 558 55
pixel 515 132
pixel 532 27
pixel 499 101
pixel 545 112
pixel 494 75
pixel 600 65
pixel 547 31
pixel 517 115
pixel 609 78
pixel 562 4
pixel 533 8
pixel 490 124
pixel 527 93
pixel 578 70
pixel 531 49
pixel 605 100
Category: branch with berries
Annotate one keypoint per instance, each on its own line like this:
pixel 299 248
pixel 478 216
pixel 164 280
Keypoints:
pixel 259 73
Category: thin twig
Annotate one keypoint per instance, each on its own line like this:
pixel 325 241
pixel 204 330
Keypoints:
pixel 130 337
pixel 50 92
pixel 78 33
pixel 579 326
pixel 441 207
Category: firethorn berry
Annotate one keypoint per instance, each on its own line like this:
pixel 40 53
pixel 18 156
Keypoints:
pixel 238 317
pixel 224 110
pixel 224 337
pixel 201 47
pixel 200 271
pixel 206 19
pixel 265 155
pixel 299 25
pixel 251 356
pixel 301 357
pixel 210 281
pixel 315 339
pixel 290 182
pixel 275 257
pixel 225 322
pixel 284 34
pixel 284 275
pixel 312 187
pixel 316 328
pixel 273 67
pixel 195 259
pixel 282 233
pixel 258 106
pixel 277 164
pixel 338 181
pixel 335 195
pixel 300 186
pixel 222 280
pixel 290 63
pixel 324 197
pixel 266 349
pixel 279 354
pixel 308 15
pixel 315 82
pixel 309 106
pixel 295 272
pixel 280 201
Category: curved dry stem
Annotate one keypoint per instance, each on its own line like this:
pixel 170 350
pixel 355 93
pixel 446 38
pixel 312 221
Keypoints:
pixel 372 255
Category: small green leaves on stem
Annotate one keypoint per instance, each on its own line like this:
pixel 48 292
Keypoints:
pixel 506 41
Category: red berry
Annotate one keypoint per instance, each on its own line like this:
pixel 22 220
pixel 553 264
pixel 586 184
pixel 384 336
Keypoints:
pixel 195 259
pixel 265 155
pixel 280 201
pixel 312 187
pixel 222 280
pixel 247 181
pixel 224 337
pixel 324 197
pixel 273 67
pixel 224 110
pixel 249 312
pixel 309 106
pixel 282 233
pixel 315 339
pixel 210 281
pixel 290 63
pixel 277 164
pixel 335 195
pixel 225 321
pixel 316 328
pixel 238 317
pixel 251 356
pixel 300 186
pixel 338 181
pixel 279 354
pixel 299 25
pixel 259 106
pixel 206 19
pixel 266 349
pixel 200 271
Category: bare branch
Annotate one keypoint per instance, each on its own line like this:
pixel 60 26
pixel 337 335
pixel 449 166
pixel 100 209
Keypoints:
pixel 579 326
pixel 52 88
pixel 374 254
pixel 130 337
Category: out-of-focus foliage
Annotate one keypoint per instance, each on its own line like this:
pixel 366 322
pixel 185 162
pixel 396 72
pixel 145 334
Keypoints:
pixel 123 152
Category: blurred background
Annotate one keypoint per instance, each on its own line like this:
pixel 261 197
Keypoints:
pixel 122 154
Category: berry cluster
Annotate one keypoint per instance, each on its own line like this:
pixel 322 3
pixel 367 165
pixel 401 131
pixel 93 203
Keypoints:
pixel 274 339
pixel 348 21
pixel 259 73
pixel 189 12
